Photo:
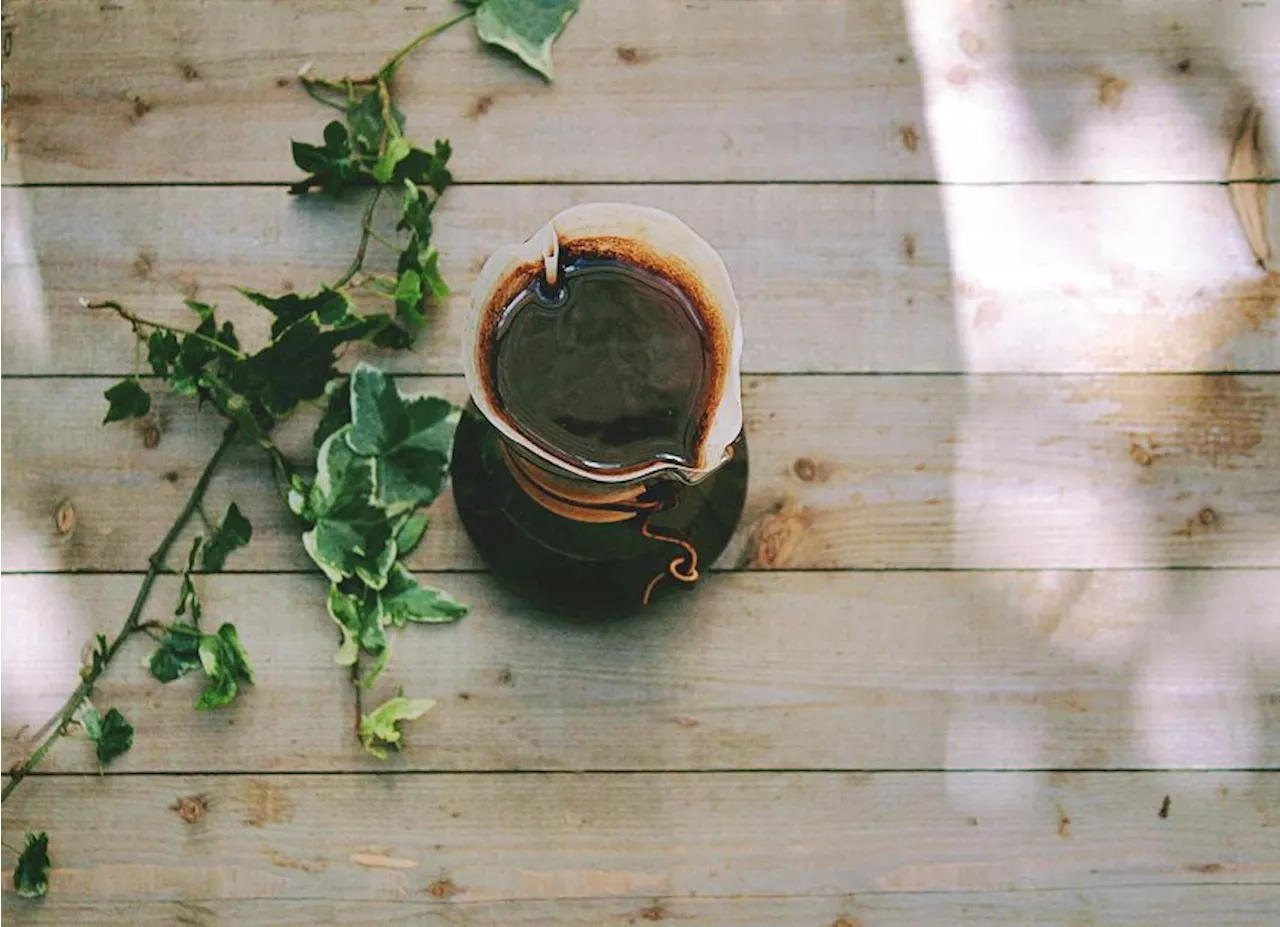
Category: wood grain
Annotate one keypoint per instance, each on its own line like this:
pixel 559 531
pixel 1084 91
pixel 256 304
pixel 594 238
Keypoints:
pixel 1190 906
pixel 648 838
pixel 777 671
pixel 159 90
pixel 830 278
pixel 846 472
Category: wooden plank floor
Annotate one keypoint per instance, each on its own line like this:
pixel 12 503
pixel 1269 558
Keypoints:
pixel 998 640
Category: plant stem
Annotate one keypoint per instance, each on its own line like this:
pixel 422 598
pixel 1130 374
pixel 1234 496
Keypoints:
pixel 156 563
pixel 365 232
pixel 135 320
pixel 382 240
pixel 310 85
pixel 389 69
pixel 384 73
pixel 355 684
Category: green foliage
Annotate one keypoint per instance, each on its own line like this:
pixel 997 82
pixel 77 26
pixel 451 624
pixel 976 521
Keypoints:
pixel 226 664
pixel 409 440
pixel 410 533
pixel 112 734
pixel 382 455
pixel 97 658
pixel 31 874
pixel 221 656
pixel 234 533
pixel 526 28
pixel 188 596
pixel 178 653
pixel 404 599
pixel 380 728
pixel 373 473
pixel 127 399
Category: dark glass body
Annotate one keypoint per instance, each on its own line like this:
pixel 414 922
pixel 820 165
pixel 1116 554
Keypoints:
pixel 601 569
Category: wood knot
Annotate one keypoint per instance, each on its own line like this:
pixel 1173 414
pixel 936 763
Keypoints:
pixel 971 44
pixel 628 54
pixel 188 71
pixel 506 677
pixel 777 538
pixel 1184 66
pixel 482 105
pixel 191 808
pixel 808 470
pixel 1111 90
pixel 139 109
pixel 1141 455
pixel 910 137
pixel 654 913
pixel 144 264
pixel 150 435
pixel 909 247
pixel 443 889
pixel 64 517
pixel 1208 517
pixel 843 921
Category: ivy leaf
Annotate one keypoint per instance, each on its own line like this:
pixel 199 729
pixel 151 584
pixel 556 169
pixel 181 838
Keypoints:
pixel 111 732
pixel 415 212
pixel 368 127
pixel 409 533
pixel 405 599
pixel 178 653
pixel 350 536
pixel 253 422
pixel 421 168
pixel 526 28
pixel 346 615
pixel 409 439
pixel 432 281
pixel 234 533
pixel 336 414
pixel 409 298
pixel 97 658
pixel 332 167
pixel 380 728
pixel 397 150
pixel 162 351
pixel 363 623
pixel 226 665
pixel 31 874
pixel 187 594
pixel 331 307
pixel 298 365
pixel 127 400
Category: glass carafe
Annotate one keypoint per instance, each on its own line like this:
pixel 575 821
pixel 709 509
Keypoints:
pixel 602 462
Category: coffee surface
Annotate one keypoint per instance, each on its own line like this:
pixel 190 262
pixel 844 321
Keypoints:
pixel 608 372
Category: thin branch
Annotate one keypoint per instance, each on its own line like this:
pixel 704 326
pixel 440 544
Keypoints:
pixel 131 624
pixel 389 69
pixel 310 84
pixel 383 240
pixel 365 231
pixel 135 320
pixel 359 689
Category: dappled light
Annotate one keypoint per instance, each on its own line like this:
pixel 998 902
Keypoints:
pixel 1152 278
